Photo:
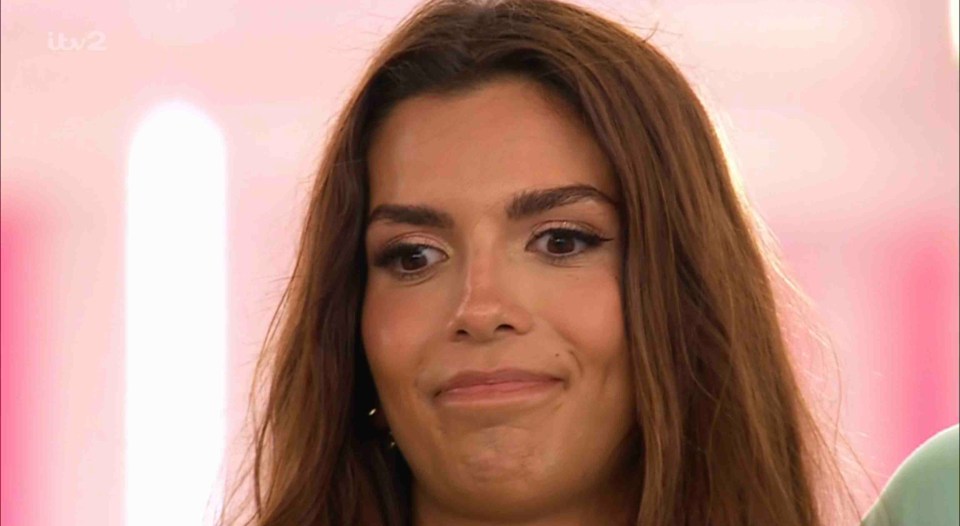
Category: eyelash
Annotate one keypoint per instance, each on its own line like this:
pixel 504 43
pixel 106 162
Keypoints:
pixel 392 253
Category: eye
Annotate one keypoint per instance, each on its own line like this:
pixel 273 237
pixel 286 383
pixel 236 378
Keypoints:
pixel 559 244
pixel 409 260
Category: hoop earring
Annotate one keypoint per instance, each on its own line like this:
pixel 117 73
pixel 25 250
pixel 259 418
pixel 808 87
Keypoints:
pixel 393 444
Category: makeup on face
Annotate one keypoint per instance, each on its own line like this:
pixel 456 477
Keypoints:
pixel 492 317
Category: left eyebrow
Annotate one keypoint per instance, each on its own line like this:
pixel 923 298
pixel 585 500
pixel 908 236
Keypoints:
pixel 526 203
pixel 532 202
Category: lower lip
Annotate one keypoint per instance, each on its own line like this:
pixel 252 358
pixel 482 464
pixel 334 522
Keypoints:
pixel 503 393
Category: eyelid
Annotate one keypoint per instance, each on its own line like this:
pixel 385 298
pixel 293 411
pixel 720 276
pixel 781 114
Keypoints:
pixel 413 239
pixel 545 227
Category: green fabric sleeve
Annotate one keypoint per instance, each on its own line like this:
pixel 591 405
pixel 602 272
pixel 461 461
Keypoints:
pixel 925 489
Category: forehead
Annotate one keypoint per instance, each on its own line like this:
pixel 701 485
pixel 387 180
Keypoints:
pixel 479 147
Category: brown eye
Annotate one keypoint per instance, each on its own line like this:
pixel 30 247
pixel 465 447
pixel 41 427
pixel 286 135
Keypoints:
pixel 414 259
pixel 559 244
pixel 409 260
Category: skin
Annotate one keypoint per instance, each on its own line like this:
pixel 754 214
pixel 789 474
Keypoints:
pixel 485 294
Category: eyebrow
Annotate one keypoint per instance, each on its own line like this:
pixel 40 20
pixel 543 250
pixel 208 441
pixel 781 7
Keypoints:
pixel 525 204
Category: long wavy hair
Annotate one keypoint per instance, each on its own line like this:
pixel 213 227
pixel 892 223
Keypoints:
pixel 727 436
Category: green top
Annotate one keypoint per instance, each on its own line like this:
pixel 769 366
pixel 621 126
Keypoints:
pixel 925 489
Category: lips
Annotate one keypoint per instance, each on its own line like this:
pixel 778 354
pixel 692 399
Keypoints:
pixel 472 379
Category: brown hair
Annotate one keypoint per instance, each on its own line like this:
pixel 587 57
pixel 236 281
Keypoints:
pixel 726 434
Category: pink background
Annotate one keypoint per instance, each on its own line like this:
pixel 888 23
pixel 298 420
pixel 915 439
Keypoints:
pixel 841 114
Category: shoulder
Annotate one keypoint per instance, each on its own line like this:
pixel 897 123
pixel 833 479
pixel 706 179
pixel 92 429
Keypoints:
pixel 924 489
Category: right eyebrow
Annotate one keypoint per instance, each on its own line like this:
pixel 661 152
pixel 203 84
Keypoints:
pixel 417 215
pixel 526 203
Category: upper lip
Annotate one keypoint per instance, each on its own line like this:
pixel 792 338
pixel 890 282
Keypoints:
pixel 472 378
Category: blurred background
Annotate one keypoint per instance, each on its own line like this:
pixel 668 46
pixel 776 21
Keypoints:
pixel 156 157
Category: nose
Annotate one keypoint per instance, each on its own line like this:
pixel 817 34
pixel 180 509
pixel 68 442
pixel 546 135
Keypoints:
pixel 488 305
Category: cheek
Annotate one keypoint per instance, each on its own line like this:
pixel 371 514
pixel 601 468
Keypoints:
pixel 587 313
pixel 394 326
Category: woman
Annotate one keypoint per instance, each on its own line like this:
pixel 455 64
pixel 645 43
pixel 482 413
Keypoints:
pixel 528 293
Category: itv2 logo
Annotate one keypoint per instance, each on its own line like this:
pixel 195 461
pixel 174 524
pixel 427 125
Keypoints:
pixel 92 41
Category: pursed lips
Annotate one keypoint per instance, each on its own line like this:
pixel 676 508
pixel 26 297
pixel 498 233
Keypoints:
pixel 470 379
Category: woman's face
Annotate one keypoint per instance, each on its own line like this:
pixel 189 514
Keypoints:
pixel 492 319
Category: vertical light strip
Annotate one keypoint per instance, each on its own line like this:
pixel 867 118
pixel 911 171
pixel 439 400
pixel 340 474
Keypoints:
pixel 176 318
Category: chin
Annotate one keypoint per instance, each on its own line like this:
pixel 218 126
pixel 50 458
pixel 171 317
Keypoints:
pixel 497 479
pixel 495 498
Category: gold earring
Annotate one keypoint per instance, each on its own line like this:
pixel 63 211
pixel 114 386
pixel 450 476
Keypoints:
pixel 393 444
